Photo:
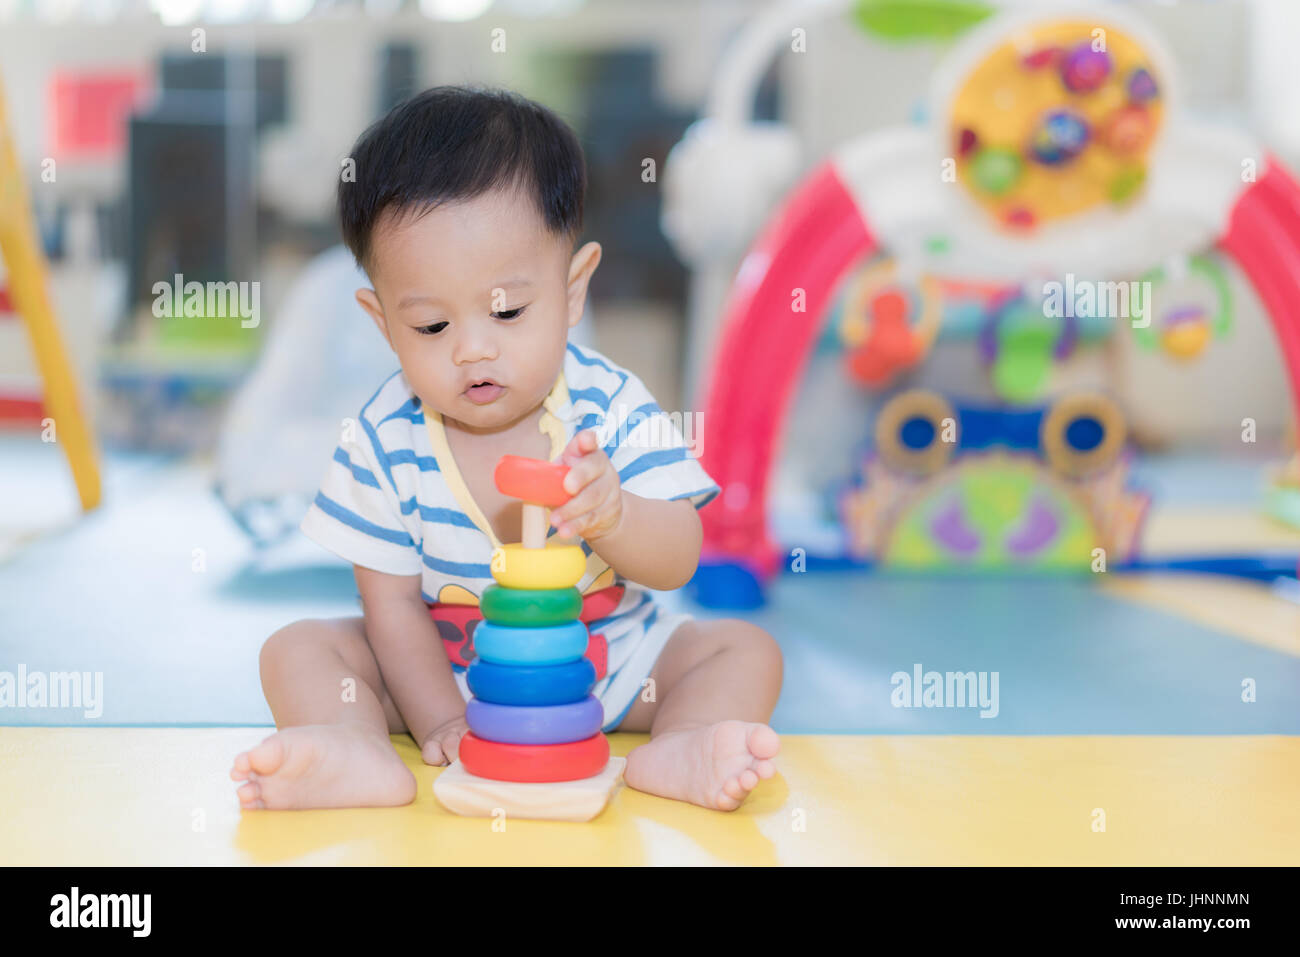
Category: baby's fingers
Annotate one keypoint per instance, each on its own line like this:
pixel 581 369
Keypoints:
pixel 579 445
pixel 583 472
pixel 582 503
pixel 432 753
pixel 450 742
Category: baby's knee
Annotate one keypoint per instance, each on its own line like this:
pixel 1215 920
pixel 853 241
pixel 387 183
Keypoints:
pixel 753 641
pixel 765 647
pixel 291 642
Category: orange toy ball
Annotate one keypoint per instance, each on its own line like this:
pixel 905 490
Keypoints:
pixel 1186 340
pixel 889 307
pixel 1128 130
pixel 533 480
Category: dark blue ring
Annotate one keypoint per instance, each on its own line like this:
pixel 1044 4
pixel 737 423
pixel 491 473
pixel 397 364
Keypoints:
pixel 531 684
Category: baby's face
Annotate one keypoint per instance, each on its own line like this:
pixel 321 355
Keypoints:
pixel 477 291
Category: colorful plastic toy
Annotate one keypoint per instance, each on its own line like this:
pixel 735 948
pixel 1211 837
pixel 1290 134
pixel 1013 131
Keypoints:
pixel 541 567
pixel 536 607
pixel 1019 345
pixel 1072 123
pixel 534 763
pixel 1185 329
pixel 535 724
pixel 1067 205
pixel 881 337
pixel 984 489
pixel 535 685
pixel 534 747
pixel 540 485
pixel 508 645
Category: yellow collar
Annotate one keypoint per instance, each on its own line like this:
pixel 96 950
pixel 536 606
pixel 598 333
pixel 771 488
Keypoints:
pixel 551 425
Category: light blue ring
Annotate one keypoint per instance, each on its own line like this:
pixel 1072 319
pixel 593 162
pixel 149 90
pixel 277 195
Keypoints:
pixel 512 645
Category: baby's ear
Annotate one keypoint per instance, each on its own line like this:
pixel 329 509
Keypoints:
pixel 581 267
pixel 370 303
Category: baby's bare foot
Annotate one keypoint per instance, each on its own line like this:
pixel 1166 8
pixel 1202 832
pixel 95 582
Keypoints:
pixel 715 766
pixel 323 765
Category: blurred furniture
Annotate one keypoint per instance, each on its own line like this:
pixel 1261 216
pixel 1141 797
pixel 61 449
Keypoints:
pixel 27 289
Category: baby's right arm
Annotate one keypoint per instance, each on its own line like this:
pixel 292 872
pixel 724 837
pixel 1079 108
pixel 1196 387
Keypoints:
pixel 410 654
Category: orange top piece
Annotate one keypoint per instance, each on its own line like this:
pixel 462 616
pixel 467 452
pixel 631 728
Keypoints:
pixel 533 480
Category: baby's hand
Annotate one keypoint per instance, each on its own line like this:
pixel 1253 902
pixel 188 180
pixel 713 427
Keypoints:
pixel 441 745
pixel 596 508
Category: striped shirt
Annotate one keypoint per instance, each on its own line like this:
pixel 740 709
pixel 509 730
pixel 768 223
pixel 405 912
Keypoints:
pixel 393 499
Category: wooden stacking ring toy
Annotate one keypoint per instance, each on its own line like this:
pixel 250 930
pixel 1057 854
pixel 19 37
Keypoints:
pixel 508 645
pixel 536 685
pixel 555 566
pixel 532 480
pixel 552 724
pixel 531 608
pixel 534 747
pixel 534 762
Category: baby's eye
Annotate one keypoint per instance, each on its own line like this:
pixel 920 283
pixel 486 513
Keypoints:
pixel 432 330
pixel 509 313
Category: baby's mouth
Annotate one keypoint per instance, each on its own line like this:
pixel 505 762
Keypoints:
pixel 484 391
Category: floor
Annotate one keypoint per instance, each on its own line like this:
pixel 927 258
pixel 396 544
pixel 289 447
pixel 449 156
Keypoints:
pixel 131 796
pixel 1165 701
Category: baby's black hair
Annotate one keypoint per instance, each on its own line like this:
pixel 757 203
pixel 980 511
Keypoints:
pixel 453 143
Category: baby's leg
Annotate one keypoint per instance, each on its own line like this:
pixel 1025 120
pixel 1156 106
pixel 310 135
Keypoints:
pixel 716 683
pixel 334 714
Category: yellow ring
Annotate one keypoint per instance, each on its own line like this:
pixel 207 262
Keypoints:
pixel 555 566
pixel 915 403
pixel 881 275
pixel 1072 462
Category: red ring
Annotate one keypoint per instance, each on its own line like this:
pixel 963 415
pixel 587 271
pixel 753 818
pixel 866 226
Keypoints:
pixel 571 761
pixel 533 480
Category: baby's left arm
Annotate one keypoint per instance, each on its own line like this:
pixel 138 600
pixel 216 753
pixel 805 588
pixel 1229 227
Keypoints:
pixel 652 541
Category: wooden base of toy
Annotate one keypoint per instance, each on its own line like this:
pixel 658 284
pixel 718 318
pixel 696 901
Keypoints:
pixel 467 794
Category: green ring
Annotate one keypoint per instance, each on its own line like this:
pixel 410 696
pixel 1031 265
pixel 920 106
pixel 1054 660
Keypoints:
pixel 530 607
pixel 1204 266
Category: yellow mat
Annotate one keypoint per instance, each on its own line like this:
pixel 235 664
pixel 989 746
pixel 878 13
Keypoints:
pixel 162 796
pixel 1171 532
pixel 1247 610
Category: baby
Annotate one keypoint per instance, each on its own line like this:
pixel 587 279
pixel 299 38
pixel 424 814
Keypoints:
pixel 464 213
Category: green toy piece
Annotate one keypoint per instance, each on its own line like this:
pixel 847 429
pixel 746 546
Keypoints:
pixel 1024 362
pixel 996 169
pixel 919 19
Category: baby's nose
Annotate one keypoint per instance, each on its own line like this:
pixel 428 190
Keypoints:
pixel 474 345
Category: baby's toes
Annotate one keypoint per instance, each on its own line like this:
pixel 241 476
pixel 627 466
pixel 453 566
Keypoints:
pixel 763 742
pixel 765 769
pixel 250 795
pixel 730 797
pixel 734 788
pixel 240 770
pixel 267 757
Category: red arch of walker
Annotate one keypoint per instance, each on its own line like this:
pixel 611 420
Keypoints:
pixel 815 237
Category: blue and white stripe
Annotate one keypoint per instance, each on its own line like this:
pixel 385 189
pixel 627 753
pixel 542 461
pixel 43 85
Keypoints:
pixel 385 504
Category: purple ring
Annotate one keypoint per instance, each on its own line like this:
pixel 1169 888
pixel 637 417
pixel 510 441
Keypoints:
pixel 533 724
pixel 1003 304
